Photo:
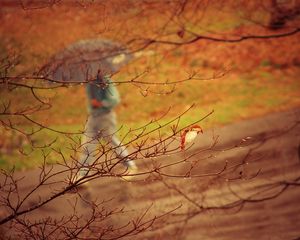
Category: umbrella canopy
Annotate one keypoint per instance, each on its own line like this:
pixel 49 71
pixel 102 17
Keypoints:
pixel 82 61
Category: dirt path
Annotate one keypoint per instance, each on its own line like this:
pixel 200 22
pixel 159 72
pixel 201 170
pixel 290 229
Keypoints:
pixel 257 196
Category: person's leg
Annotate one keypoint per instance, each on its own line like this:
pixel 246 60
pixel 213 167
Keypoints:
pixel 120 150
pixel 88 146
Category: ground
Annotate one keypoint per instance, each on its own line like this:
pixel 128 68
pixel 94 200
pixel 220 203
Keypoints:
pixel 270 153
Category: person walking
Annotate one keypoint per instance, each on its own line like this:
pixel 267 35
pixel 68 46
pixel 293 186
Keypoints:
pixel 103 97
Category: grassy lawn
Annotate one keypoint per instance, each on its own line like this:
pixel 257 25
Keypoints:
pixel 232 98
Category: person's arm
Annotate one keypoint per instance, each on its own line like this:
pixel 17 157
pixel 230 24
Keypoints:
pixel 95 103
pixel 107 96
pixel 91 93
pixel 112 97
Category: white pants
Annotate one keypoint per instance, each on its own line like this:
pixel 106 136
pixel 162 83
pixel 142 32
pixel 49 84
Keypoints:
pixel 98 128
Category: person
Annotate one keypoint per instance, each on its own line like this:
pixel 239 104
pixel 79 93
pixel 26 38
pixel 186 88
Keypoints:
pixel 103 97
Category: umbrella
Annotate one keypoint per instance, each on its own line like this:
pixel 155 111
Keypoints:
pixel 81 61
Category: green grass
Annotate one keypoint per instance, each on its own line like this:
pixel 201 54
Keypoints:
pixel 44 143
pixel 232 99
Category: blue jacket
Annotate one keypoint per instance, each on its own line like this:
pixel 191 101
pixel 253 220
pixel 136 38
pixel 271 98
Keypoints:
pixel 105 92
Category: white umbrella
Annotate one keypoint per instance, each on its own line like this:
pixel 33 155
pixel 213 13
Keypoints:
pixel 81 61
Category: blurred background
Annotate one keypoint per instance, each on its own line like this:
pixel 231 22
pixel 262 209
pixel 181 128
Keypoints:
pixel 204 54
